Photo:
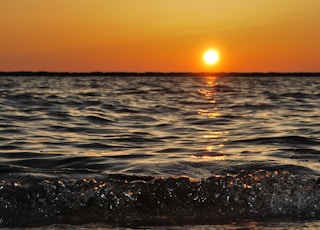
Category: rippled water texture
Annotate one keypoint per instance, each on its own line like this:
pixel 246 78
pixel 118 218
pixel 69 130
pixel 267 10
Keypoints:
pixel 137 129
pixel 161 126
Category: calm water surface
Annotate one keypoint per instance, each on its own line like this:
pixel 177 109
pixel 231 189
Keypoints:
pixel 123 131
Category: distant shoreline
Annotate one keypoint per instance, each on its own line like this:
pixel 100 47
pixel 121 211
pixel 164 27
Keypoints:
pixel 86 74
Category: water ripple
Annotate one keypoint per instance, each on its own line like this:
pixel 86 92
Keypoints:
pixel 164 126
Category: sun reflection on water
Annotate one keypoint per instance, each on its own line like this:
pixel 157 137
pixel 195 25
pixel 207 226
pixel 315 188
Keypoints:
pixel 215 135
pixel 215 139
pixel 210 154
pixel 208 113
pixel 210 80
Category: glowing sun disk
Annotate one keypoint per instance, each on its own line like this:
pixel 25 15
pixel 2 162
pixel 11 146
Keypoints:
pixel 211 57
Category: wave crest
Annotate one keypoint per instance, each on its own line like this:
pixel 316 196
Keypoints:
pixel 217 199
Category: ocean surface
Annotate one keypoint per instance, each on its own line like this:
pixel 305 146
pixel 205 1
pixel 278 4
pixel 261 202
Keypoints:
pixel 173 152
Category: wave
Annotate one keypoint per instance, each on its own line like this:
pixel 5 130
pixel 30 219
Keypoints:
pixel 291 140
pixel 134 200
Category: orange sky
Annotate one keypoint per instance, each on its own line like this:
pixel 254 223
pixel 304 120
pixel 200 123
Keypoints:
pixel 159 35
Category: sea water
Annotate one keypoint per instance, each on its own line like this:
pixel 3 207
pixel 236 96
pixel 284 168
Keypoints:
pixel 129 151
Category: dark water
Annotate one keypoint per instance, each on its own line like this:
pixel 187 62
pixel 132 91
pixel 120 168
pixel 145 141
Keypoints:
pixel 159 151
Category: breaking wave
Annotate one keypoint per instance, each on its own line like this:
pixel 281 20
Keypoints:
pixel 131 200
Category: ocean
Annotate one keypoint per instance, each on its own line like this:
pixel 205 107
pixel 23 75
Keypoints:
pixel 160 152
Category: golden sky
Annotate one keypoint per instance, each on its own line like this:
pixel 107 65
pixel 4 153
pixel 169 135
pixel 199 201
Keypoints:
pixel 159 35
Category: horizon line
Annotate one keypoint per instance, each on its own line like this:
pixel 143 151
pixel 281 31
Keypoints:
pixel 152 73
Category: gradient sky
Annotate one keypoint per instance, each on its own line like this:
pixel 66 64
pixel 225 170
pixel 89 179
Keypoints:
pixel 162 35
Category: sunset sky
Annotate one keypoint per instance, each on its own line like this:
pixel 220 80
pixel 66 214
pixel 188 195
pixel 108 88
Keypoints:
pixel 154 35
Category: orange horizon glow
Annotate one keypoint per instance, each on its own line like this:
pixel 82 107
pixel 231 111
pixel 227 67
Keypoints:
pixel 153 36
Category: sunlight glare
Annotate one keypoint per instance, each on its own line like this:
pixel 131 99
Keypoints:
pixel 211 57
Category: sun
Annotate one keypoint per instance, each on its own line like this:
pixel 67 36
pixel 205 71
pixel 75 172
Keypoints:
pixel 211 57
